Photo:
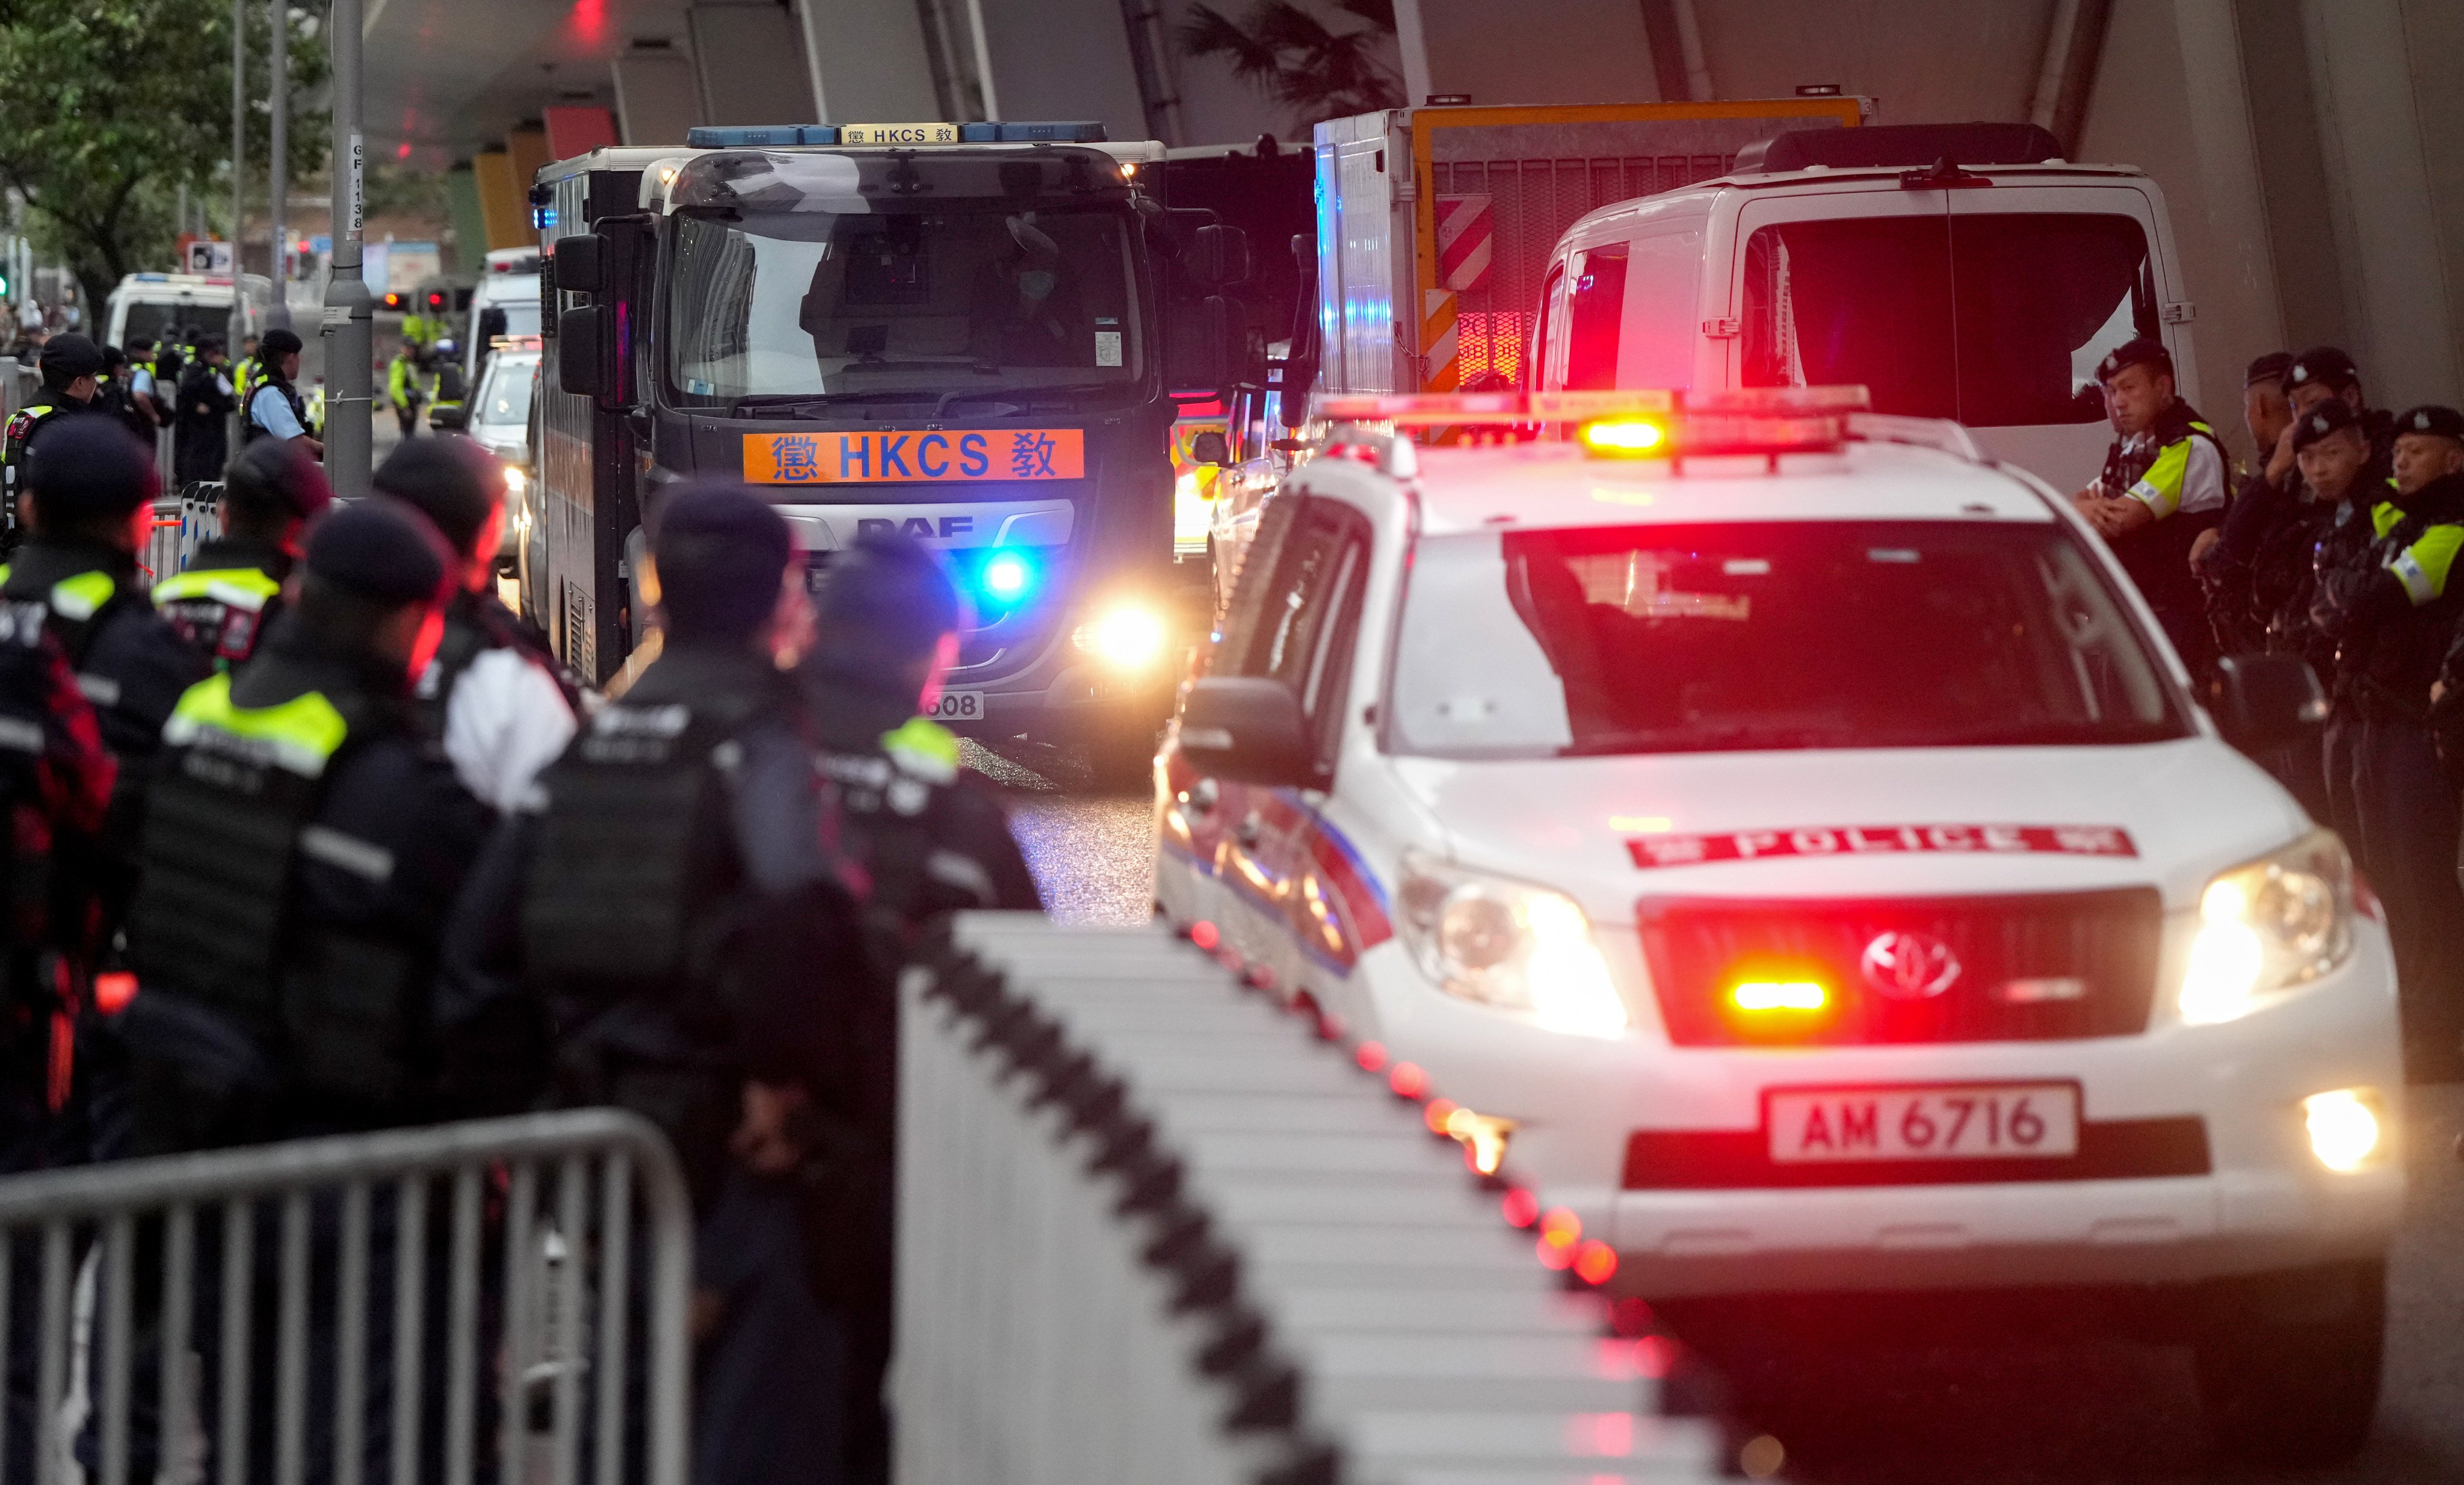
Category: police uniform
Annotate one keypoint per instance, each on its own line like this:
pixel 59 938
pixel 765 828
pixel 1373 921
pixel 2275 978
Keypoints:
pixel 673 902
pixel 64 359
pixel 201 441
pixel 930 836
pixel 303 847
pixel 267 398
pixel 2176 468
pixel 2396 616
pixel 223 602
pixel 494 696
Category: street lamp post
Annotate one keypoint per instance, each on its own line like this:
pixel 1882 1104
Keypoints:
pixel 349 316
pixel 278 161
pixel 237 330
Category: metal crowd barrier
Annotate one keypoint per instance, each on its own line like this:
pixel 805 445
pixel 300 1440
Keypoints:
pixel 1152 1227
pixel 182 524
pixel 140 1299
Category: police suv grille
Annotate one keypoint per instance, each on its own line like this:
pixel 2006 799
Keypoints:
pixel 2027 969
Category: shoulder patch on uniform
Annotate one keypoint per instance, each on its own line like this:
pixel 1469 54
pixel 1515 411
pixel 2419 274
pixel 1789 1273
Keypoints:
pixel 81 597
pixel 924 748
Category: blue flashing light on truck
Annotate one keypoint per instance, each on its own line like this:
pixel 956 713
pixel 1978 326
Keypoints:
pixel 973 341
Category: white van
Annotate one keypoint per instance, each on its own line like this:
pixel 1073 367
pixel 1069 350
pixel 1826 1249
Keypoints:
pixel 155 305
pixel 1957 271
pixel 505 301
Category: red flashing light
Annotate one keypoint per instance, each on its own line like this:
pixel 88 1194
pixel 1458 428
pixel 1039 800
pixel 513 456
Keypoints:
pixel 1631 1315
pixel 1204 935
pixel 1408 1081
pixel 1596 1263
pixel 114 990
pixel 1521 1209
pixel 1560 1228
pixel 1369 1054
pixel 1655 1356
pixel 1552 1257
pixel 1436 1114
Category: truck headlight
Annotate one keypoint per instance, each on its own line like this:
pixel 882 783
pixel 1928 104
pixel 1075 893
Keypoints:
pixel 1129 637
pixel 1508 945
pixel 516 479
pixel 2267 929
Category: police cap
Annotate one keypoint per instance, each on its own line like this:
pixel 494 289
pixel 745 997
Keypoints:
pixel 382 550
pixel 888 596
pixel 2323 419
pixel 720 551
pixel 2432 419
pixel 2273 366
pixel 276 473
pixel 277 343
pixel 80 466
pixel 2145 351
pixel 69 355
pixel 453 481
pixel 2326 365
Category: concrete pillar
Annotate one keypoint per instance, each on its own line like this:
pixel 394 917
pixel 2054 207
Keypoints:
pixel 658 97
pixel 866 63
pixel 2369 130
pixel 469 224
pixel 751 63
pixel 503 208
pixel 528 147
pixel 1062 59
pixel 2230 197
pixel 2293 177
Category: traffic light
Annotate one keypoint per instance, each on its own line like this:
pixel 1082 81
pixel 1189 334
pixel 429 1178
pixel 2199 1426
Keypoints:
pixel 4 283
pixel 436 301
pixel 393 301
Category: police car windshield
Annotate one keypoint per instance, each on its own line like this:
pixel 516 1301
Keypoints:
pixel 955 296
pixel 1832 634
pixel 505 396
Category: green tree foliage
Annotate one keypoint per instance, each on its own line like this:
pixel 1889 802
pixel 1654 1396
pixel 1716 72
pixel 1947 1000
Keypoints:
pixel 1298 60
pixel 108 106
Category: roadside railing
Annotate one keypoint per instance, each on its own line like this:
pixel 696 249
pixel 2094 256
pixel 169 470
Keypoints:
pixel 1152 1228
pixel 480 1304
pixel 182 523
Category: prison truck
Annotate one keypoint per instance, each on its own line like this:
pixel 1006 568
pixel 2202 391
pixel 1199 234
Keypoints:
pixel 971 334
pixel 1435 224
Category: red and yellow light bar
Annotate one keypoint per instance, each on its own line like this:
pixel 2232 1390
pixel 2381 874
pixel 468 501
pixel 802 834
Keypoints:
pixel 1631 424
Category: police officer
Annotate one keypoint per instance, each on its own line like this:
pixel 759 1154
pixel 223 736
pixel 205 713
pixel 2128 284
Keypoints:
pixel 930 836
pixel 271 403
pixel 2226 555
pixel 71 366
pixel 2163 484
pixel 2395 614
pixel 672 903
pixel 143 394
pixel 2323 372
pixel 232 590
pixel 88 503
pixel 112 394
pixel 494 696
pixel 302 846
pixel 201 442
pixel 405 389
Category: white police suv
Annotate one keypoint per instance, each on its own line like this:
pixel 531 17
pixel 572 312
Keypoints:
pixel 1781 840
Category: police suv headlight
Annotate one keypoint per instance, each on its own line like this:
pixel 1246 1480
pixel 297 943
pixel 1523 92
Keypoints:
pixel 2269 927
pixel 1509 945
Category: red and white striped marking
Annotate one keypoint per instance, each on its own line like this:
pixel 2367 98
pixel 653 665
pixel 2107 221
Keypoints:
pixel 1466 238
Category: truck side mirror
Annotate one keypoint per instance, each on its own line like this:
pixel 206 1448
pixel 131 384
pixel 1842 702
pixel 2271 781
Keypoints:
pixel 492 324
pixel 1221 255
pixel 1210 447
pixel 448 417
pixel 2266 701
pixel 580 351
pixel 581 263
pixel 1248 728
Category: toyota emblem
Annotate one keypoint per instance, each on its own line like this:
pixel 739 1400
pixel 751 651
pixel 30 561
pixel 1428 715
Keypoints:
pixel 1909 966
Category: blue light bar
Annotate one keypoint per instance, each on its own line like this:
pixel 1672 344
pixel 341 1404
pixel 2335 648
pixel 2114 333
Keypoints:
pixel 1079 132
pixel 1005 577
pixel 751 135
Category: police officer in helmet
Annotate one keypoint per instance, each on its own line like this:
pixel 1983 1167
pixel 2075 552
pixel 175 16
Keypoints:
pixel 72 369
pixel 673 906
pixel 230 591
pixel 2162 486
pixel 931 837
pixel 302 846
pixel 494 696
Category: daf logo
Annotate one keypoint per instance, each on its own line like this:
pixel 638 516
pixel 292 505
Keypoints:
pixel 1909 966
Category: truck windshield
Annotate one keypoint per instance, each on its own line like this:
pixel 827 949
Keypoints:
pixel 1996 321
pixel 988 296
pixel 1834 634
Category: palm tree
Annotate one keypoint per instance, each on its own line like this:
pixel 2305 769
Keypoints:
pixel 1298 60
